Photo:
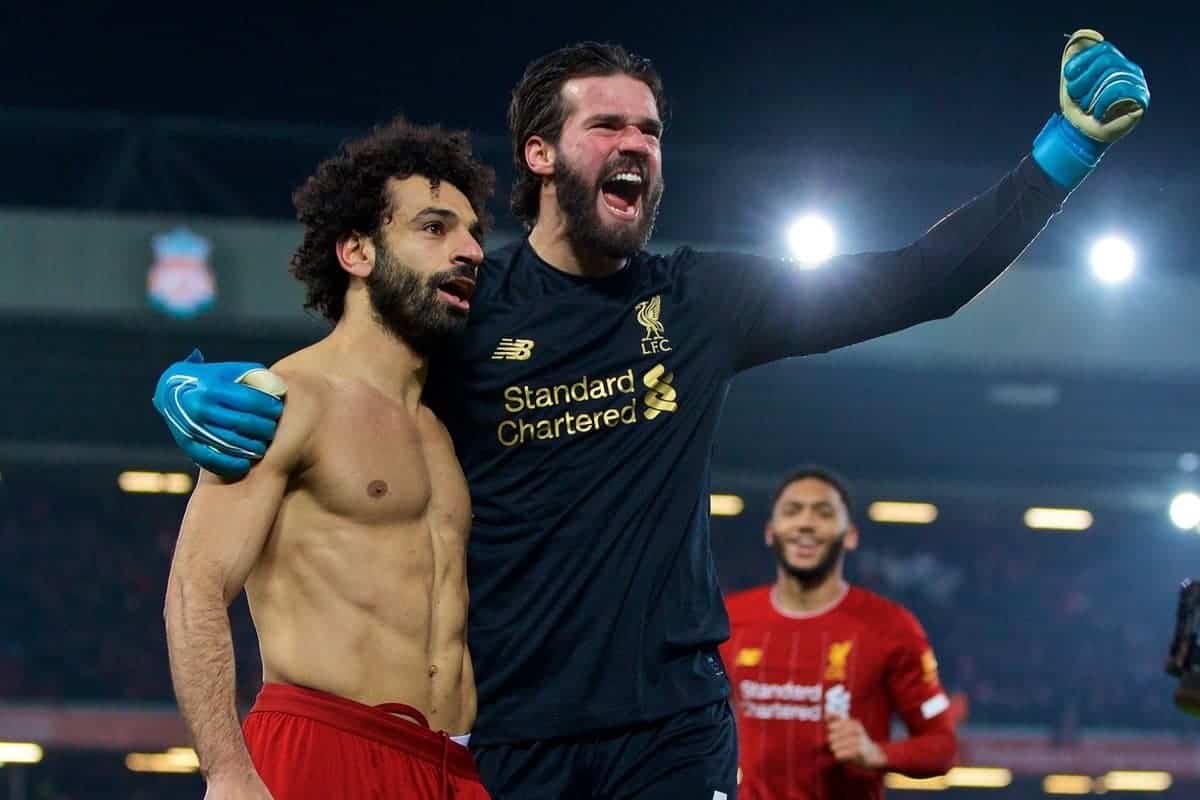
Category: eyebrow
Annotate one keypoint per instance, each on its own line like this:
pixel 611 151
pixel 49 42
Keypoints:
pixel 451 217
pixel 822 504
pixel 613 119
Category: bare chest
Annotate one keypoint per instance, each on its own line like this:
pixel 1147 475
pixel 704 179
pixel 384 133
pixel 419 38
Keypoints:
pixel 377 463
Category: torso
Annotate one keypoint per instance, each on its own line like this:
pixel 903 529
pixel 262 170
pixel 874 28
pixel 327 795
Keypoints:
pixel 789 674
pixel 361 588
pixel 583 412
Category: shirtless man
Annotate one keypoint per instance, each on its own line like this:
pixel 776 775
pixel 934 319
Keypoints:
pixel 350 537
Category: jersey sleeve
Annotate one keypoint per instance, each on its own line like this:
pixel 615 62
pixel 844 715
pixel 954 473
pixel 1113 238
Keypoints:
pixel 917 696
pixel 774 309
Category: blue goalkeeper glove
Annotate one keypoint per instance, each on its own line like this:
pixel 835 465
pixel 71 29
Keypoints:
pixel 1102 95
pixel 222 415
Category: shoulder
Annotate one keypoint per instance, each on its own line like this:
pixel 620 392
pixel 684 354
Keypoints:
pixel 308 391
pixel 748 603
pixel 498 263
pixel 886 616
pixel 664 263
pixel 500 259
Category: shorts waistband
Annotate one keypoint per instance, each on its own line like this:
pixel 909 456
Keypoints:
pixel 372 722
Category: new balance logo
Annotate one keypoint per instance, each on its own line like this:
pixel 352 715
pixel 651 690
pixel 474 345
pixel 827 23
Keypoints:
pixel 513 350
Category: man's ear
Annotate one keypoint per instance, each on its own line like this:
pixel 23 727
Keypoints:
pixel 356 254
pixel 540 156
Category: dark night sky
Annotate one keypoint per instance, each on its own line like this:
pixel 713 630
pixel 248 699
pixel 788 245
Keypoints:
pixel 766 97
pixel 739 72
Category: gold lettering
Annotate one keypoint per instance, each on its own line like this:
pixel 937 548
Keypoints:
pixel 582 393
pixel 511 439
pixel 512 400
pixel 545 398
pixel 629 413
pixel 583 423
pixel 526 431
pixel 625 382
pixel 612 417
pixel 545 430
pixel 597 392
pixel 565 391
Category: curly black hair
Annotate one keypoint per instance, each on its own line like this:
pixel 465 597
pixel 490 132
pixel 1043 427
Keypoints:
pixel 538 108
pixel 348 194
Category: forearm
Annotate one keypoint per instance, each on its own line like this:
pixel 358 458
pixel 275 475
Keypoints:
pixel 922 756
pixel 200 646
pixel 962 254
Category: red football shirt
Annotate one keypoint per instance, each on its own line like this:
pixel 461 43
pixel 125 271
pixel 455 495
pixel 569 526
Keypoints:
pixel 865 658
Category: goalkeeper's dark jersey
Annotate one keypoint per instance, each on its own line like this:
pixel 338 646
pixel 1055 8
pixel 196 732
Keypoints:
pixel 583 411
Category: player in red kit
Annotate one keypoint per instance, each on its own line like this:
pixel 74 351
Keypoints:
pixel 818 667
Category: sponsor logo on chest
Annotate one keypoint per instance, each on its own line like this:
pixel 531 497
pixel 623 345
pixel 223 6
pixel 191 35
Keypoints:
pixel 826 699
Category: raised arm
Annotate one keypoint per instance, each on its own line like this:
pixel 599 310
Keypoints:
pixel 775 310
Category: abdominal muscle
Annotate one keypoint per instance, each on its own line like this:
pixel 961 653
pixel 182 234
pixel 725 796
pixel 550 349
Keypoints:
pixel 370 611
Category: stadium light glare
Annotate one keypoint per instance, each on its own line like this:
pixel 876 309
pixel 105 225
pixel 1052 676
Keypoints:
pixel 903 513
pixel 894 780
pixel 811 240
pixel 1058 519
pixel 174 760
pixel 725 505
pixel 1185 511
pixel 979 777
pixel 1136 781
pixel 1112 260
pixel 1067 784
pixel 20 753
pixel 141 482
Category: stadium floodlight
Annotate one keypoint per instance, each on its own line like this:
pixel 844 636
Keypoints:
pixel 1185 511
pixel 811 239
pixel 1112 260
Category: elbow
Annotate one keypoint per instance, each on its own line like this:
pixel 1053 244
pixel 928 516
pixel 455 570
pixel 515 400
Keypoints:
pixel 945 753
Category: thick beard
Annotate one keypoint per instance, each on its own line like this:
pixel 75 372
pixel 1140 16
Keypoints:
pixel 817 573
pixel 407 305
pixel 586 231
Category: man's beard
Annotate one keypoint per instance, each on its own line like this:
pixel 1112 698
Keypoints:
pixel 407 305
pixel 817 573
pixel 585 230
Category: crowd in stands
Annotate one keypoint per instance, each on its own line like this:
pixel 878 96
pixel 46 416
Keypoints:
pixel 1067 631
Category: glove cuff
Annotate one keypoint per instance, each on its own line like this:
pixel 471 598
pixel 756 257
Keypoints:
pixel 1065 153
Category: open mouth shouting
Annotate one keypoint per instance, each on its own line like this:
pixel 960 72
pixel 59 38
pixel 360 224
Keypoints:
pixel 622 193
pixel 457 292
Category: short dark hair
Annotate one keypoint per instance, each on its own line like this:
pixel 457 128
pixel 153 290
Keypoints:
pixel 538 109
pixel 348 194
pixel 823 474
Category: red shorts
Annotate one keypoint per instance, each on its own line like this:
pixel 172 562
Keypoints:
pixel 309 744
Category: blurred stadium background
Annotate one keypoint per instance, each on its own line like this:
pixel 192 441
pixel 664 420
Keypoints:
pixel 144 210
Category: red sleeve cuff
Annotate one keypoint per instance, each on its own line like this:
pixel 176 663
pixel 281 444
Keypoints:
pixel 923 756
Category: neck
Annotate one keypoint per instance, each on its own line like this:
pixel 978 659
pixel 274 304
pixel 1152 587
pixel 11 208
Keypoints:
pixel 363 348
pixel 793 594
pixel 550 241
